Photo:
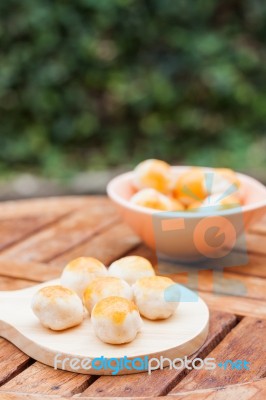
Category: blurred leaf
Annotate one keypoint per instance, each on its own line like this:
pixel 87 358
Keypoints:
pixel 95 83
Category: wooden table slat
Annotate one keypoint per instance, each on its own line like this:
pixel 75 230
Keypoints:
pixel 160 382
pixel 39 378
pixel 38 237
pixel 7 283
pixel 239 305
pixel 245 391
pixel 244 342
pixel 51 205
pixel 14 231
pixel 12 361
pixel 32 271
pixel 255 243
pixel 242 306
pixel 107 246
pixel 228 284
pixel 67 233
pixel 256 266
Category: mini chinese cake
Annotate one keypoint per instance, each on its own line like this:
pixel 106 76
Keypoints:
pixel 151 297
pixel 57 307
pixel 79 273
pixel 105 287
pixel 116 320
pixel 131 268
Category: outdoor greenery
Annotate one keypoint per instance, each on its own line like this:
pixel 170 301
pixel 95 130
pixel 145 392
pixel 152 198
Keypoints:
pixel 94 83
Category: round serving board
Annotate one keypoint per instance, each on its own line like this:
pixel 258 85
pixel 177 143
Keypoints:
pixel 179 336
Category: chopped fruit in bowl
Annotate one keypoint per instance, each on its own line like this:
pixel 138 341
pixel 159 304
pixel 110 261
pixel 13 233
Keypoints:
pixel 186 194
pixel 177 205
pixel 192 189
pixel 151 198
pixel 155 174
pixel 190 186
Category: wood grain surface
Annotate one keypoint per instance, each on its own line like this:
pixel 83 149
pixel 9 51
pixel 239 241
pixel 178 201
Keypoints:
pixel 178 336
pixel 160 382
pixel 38 237
pixel 244 342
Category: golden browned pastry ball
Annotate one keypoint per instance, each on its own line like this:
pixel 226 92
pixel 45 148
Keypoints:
pixel 131 268
pixel 105 287
pixel 116 320
pixel 79 273
pixel 57 307
pixel 150 297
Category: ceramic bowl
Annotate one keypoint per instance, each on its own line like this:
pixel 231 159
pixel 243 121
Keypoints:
pixel 190 235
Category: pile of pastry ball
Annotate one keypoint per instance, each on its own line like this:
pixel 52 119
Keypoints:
pixel 156 186
pixel 113 298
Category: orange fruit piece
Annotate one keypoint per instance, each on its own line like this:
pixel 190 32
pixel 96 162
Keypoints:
pixel 190 186
pixel 151 198
pixel 153 174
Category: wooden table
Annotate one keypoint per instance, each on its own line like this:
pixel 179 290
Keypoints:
pixel 38 237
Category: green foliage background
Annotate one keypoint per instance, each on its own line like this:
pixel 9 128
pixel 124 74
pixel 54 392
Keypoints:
pixel 104 82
